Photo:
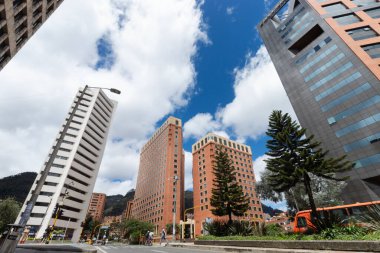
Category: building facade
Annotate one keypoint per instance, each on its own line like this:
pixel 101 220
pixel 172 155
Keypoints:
pixel 160 181
pixel 19 20
pixel 327 54
pixel 96 206
pixel 72 175
pixel 203 161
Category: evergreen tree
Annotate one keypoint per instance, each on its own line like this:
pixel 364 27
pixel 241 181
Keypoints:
pixel 294 157
pixel 227 196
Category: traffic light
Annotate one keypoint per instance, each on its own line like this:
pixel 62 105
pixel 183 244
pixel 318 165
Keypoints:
pixel 60 213
pixel 55 210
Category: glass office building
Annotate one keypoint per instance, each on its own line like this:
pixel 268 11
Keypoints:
pixel 327 54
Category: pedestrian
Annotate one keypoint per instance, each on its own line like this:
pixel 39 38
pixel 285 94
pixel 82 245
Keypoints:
pixel 163 237
pixel 147 238
pixel 151 238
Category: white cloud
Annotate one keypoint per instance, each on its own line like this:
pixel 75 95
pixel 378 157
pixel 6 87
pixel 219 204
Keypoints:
pixel 230 10
pixel 188 170
pixel 258 91
pixel 199 125
pixel 259 166
pixel 154 43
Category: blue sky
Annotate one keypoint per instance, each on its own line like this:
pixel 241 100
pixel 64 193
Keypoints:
pixel 203 62
pixel 231 29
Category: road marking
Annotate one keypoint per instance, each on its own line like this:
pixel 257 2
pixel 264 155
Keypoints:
pixel 159 251
pixel 101 249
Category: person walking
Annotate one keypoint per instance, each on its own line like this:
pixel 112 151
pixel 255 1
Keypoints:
pixel 151 238
pixel 163 237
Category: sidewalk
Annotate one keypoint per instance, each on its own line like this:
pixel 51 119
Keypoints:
pixel 251 249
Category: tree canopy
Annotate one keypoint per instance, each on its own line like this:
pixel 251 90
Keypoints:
pixel 294 157
pixel 9 209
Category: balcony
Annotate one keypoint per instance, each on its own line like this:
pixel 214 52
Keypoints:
pixel 20 31
pixel 2 7
pixel 3 49
pixel 3 37
pixel 36 5
pixel 18 7
pixel 19 21
pixel 2 23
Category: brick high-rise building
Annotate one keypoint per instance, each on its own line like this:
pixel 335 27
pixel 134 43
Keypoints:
pixel 327 54
pixel 96 206
pixel 161 159
pixel 203 159
pixel 72 171
pixel 19 20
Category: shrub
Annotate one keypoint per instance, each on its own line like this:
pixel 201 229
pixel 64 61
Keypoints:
pixel 370 218
pixel 243 228
pixel 274 230
pixel 217 227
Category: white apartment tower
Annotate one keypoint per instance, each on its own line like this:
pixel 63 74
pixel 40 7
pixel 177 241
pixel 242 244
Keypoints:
pixel 72 173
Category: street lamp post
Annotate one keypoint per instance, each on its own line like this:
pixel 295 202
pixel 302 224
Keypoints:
pixel 174 204
pixel 40 183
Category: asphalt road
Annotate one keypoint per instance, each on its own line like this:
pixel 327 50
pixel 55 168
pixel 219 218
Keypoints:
pixel 146 249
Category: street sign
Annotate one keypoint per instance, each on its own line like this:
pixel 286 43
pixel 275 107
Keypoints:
pixel 104 227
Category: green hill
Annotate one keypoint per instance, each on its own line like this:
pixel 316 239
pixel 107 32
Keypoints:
pixel 115 204
pixel 17 186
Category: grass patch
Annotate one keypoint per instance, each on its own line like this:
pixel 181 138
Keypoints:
pixel 373 236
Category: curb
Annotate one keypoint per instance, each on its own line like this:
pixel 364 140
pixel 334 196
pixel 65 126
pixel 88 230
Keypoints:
pixel 57 248
pixel 343 246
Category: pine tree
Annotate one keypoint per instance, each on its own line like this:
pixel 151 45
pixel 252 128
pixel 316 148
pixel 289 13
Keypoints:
pixel 227 195
pixel 294 157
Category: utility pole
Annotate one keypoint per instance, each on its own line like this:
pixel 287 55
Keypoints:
pixel 174 204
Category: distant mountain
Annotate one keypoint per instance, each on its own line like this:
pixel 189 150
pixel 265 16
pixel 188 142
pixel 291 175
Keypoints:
pixel 17 186
pixel 269 210
pixel 115 204
pixel 189 200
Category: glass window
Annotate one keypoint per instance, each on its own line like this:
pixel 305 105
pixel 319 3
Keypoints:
pixel 375 159
pixel 347 19
pixel 362 33
pixel 313 51
pixel 318 59
pixel 338 86
pixel 362 142
pixel 374 13
pixel 299 21
pixel 354 109
pixel 331 8
pixel 372 50
pixel 331 76
pixel 301 222
pixel 346 97
pixel 360 3
pixel 358 125
pixel 324 67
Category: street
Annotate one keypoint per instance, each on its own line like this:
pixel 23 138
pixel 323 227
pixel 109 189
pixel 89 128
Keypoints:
pixel 145 249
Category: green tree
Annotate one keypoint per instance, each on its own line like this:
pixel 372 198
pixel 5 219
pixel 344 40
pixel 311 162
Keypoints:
pixel 134 229
pixel 227 195
pixel 294 157
pixel 9 209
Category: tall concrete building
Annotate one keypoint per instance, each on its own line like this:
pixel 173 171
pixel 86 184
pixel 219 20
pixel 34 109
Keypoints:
pixel 203 161
pixel 327 54
pixel 96 206
pixel 158 194
pixel 73 171
pixel 19 20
